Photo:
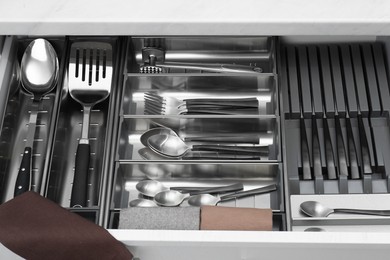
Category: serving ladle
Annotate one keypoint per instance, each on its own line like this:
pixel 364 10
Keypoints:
pixel 151 188
pixel 39 75
pixel 172 198
pixel 172 146
pixel 316 209
pixel 207 199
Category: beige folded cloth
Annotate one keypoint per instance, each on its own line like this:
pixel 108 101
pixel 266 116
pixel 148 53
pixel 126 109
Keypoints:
pixel 37 228
pixel 227 218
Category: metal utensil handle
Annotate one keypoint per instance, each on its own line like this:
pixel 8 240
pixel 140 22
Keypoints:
pixel 218 107
pixel 247 193
pixel 227 148
pixel 240 102
pixel 219 156
pixel 228 188
pixel 363 211
pixel 247 139
pixel 23 181
pixel 79 189
pixel 229 111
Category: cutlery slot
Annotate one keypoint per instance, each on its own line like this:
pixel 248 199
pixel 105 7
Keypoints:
pixel 67 136
pixel 175 88
pixel 264 130
pixel 202 52
pixel 201 174
pixel 16 119
pixel 333 102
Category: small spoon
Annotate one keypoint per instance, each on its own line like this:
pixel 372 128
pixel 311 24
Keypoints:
pixel 173 146
pixel 316 209
pixel 172 198
pixel 39 75
pixel 151 187
pixel 207 199
pixel 144 203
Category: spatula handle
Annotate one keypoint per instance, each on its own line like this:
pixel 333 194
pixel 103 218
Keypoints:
pixel 80 181
pixel 23 181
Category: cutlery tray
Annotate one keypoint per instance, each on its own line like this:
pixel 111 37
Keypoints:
pixel 135 161
pixel 67 135
pixel 14 124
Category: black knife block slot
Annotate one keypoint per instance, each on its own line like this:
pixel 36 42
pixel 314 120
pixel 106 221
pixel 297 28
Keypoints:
pixel 325 84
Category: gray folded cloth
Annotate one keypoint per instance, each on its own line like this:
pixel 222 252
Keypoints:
pixel 163 218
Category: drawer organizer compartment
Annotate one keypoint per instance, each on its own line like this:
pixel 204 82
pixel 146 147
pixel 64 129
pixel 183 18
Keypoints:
pixel 201 54
pixel 213 141
pixel 70 122
pixel 199 138
pixel 336 104
pixel 170 95
pixel 341 221
pixel 16 120
pixel 335 100
pixel 200 174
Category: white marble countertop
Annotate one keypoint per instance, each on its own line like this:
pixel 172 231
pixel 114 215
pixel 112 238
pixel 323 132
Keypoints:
pixel 195 17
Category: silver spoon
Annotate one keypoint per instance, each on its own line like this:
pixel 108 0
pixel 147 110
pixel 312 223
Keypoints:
pixel 264 139
pixel 39 75
pixel 151 187
pixel 316 209
pixel 172 198
pixel 173 146
pixel 207 199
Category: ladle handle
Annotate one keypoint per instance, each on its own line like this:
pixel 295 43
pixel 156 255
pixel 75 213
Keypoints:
pixel 79 189
pixel 23 181
pixel 364 212
pixel 247 193
pixel 228 188
pixel 233 149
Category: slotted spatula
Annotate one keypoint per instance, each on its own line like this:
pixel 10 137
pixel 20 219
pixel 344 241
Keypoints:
pixel 90 74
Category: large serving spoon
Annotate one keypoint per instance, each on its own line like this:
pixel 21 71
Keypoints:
pixel 151 187
pixel 316 209
pixel 172 198
pixel 39 75
pixel 207 199
pixel 264 139
pixel 173 146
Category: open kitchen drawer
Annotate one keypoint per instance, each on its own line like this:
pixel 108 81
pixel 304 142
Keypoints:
pixel 294 83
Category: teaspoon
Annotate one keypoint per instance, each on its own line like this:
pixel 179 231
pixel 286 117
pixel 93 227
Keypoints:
pixel 316 209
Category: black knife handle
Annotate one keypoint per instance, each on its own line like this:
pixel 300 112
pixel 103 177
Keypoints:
pixel 80 181
pixel 23 181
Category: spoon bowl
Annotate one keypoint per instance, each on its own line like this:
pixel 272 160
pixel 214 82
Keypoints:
pixel 144 203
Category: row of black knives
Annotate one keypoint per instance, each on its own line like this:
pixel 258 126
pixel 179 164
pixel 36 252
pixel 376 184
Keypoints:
pixel 339 93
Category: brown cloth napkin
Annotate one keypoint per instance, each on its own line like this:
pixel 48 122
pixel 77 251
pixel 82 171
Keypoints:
pixel 227 218
pixel 37 228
